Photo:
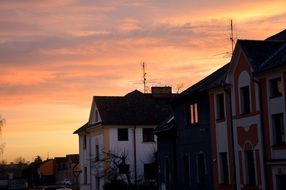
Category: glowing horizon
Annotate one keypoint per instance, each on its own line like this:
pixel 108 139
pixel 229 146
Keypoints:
pixel 56 55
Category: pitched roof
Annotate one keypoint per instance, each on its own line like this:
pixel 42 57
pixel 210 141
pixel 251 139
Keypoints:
pixel 81 129
pixel 213 80
pixel 258 51
pixel 135 108
pixel 279 36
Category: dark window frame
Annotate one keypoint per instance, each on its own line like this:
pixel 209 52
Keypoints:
pixel 147 134
pixel 96 115
pixel 220 108
pixel 274 89
pixel 193 113
pixel 201 169
pixel 85 175
pixel 224 170
pixel 278 129
pixel 96 152
pixel 245 107
pixel 186 170
pixel 250 170
pixel 122 134
pixel 84 141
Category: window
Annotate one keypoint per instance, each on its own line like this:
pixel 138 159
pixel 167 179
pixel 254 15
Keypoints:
pixel 281 181
pixel 166 171
pixel 84 141
pixel 150 171
pixel 275 86
pixel 223 161
pixel 244 100
pixel 97 181
pixel 148 135
pixel 97 152
pixel 96 116
pixel 85 175
pixel 194 113
pixel 278 129
pixel 201 168
pixel 122 134
pixel 220 106
pixel 186 168
pixel 249 168
pixel 123 168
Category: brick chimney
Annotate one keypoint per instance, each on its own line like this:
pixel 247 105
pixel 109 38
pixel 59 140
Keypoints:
pixel 161 91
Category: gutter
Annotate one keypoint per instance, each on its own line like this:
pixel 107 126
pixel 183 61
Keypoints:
pixel 135 155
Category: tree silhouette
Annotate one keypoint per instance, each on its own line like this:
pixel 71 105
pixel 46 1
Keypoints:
pixel 2 144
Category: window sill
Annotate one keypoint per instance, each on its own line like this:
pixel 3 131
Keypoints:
pixel 220 120
pixel 148 142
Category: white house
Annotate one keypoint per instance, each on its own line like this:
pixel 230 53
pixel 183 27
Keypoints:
pixel 121 125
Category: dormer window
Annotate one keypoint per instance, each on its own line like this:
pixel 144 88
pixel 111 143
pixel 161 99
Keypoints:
pixel 275 87
pixel 194 113
pixel 244 100
pixel 96 116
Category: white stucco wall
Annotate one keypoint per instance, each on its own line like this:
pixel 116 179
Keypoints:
pixel 276 105
pixel 144 150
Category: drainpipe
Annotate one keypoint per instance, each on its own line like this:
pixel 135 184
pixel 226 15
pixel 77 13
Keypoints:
pixel 262 133
pixel 89 162
pixel 228 92
pixel 135 155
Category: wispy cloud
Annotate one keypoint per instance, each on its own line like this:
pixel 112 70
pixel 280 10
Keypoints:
pixel 62 52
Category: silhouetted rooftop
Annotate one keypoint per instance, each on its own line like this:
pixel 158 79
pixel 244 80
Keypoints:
pixel 279 36
pixel 257 52
pixel 213 80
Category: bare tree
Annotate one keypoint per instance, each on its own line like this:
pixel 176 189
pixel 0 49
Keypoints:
pixel 2 144
pixel 179 87
pixel 115 167
pixel 20 160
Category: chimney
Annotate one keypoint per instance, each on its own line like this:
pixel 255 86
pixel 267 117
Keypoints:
pixel 161 91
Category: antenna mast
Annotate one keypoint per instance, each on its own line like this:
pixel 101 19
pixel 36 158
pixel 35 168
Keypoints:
pixel 231 36
pixel 144 78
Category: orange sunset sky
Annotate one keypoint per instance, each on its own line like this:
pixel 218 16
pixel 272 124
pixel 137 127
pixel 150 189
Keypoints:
pixel 55 55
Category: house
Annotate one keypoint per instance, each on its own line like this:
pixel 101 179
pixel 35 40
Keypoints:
pixel 189 134
pixel 248 141
pixel 166 144
pixel 59 170
pixel 122 126
pixel 47 172
pixel 230 126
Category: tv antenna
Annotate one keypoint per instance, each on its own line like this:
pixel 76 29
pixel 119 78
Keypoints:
pixel 231 36
pixel 144 78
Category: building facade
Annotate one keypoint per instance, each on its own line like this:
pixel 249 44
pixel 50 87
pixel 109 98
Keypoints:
pixel 117 143
pixel 236 118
